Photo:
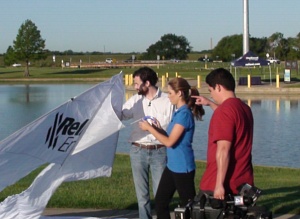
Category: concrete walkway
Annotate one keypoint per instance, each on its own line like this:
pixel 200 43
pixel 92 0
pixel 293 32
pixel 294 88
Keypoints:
pixel 283 89
pixel 98 213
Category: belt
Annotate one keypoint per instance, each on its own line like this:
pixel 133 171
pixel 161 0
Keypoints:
pixel 150 147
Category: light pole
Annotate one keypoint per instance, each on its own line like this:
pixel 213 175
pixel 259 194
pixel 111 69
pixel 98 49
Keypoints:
pixel 246 28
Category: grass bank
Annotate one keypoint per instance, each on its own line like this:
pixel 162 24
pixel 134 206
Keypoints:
pixel 281 186
pixel 189 70
pixel 281 189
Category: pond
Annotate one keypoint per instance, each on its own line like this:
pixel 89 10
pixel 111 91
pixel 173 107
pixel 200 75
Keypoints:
pixel 276 120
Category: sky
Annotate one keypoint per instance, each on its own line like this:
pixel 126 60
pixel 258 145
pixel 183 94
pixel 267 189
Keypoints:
pixel 133 25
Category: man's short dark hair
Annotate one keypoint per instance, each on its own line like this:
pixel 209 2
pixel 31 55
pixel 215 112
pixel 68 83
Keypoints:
pixel 221 76
pixel 146 74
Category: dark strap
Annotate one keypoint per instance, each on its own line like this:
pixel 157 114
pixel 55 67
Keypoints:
pixel 202 206
pixel 201 198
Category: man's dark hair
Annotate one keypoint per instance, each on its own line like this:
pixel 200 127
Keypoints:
pixel 221 76
pixel 146 74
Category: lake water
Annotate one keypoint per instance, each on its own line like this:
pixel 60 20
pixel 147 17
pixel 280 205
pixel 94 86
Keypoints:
pixel 277 120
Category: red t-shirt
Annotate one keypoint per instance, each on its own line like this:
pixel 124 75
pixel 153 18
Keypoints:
pixel 231 121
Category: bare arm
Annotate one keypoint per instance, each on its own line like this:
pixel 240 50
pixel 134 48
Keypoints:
pixel 168 141
pixel 200 100
pixel 222 159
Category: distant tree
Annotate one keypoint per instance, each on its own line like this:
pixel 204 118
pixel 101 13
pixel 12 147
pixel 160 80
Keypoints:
pixel 294 45
pixel 277 46
pixel 227 46
pixel 297 42
pixel 234 45
pixel 258 46
pixel 69 52
pixel 29 44
pixel 169 46
pixel 9 56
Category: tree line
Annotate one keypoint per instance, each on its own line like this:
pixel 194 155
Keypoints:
pixel 277 46
pixel 30 46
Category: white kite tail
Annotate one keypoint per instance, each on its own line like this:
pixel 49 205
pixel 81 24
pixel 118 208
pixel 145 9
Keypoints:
pixel 31 203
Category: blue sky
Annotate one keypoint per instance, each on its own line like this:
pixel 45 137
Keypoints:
pixel 133 25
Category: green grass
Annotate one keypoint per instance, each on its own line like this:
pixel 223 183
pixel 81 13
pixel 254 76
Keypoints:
pixel 280 186
pixel 189 70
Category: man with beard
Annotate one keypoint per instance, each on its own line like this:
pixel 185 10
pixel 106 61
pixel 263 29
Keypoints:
pixel 146 152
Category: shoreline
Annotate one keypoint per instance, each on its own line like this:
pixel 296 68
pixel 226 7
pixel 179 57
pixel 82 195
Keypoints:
pixel 264 88
pixel 257 165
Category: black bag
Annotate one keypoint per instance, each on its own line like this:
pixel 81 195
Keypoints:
pixel 201 208
pixel 241 206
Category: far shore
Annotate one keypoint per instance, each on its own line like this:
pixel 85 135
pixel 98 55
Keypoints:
pixel 284 89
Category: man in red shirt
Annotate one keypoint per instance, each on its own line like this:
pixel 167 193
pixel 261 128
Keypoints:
pixel 230 136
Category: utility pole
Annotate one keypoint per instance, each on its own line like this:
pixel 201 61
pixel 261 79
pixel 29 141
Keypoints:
pixel 246 28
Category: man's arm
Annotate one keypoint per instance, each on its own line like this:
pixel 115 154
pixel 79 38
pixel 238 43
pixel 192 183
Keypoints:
pixel 222 159
pixel 127 109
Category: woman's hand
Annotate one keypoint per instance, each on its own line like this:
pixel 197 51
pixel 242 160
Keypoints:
pixel 156 123
pixel 144 125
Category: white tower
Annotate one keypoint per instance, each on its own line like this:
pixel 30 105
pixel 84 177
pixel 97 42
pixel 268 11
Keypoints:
pixel 246 28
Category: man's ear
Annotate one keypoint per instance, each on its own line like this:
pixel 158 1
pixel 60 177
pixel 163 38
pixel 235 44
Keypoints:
pixel 147 83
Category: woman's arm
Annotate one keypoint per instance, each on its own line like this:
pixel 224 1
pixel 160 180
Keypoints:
pixel 168 141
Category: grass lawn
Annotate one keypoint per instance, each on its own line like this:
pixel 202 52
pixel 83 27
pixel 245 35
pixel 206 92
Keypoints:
pixel 185 69
pixel 280 186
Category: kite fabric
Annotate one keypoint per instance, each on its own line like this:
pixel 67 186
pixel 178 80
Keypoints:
pixel 78 139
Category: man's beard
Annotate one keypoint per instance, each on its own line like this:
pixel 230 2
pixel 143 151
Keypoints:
pixel 143 90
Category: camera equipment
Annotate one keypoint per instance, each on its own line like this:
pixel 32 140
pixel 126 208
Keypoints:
pixel 241 206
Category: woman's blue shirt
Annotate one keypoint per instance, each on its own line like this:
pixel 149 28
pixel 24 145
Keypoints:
pixel 181 155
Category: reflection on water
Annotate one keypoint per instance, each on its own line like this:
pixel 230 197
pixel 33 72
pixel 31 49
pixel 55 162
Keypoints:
pixel 275 130
pixel 288 104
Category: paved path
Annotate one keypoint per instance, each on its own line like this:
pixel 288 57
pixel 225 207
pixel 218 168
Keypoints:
pixel 98 213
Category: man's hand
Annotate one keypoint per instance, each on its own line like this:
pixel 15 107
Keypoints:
pixel 219 192
pixel 200 100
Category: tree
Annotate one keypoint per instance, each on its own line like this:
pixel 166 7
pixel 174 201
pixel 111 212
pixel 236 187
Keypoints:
pixel 170 46
pixel 9 57
pixel 227 46
pixel 259 46
pixel 29 44
pixel 276 43
pixel 234 45
pixel 294 45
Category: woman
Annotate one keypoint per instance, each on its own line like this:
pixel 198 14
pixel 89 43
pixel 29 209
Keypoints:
pixel 179 173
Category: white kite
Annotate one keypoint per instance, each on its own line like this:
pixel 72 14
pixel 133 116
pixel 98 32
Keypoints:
pixel 78 139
